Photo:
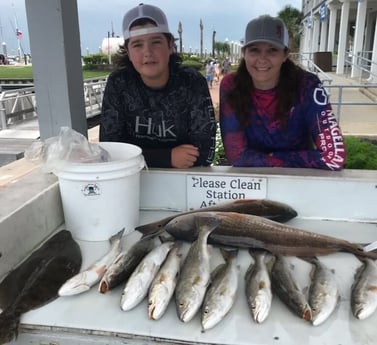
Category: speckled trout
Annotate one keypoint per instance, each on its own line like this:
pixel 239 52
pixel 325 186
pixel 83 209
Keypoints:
pixel 284 285
pixel 258 286
pixel 323 292
pixel 249 231
pixel 364 290
pixel 222 291
pixel 195 273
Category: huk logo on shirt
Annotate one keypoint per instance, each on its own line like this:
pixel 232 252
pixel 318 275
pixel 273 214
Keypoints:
pixel 145 126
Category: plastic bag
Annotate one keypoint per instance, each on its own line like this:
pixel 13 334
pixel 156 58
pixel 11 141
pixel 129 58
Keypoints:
pixel 68 147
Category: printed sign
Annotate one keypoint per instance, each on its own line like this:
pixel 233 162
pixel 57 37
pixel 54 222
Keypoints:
pixel 209 190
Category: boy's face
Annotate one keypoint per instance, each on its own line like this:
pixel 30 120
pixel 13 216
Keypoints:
pixel 149 54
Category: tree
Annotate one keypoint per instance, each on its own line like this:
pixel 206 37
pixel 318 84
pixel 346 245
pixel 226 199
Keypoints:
pixel 292 18
pixel 222 48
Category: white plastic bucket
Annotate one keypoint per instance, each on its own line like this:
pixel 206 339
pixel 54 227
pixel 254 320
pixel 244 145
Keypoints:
pixel 100 199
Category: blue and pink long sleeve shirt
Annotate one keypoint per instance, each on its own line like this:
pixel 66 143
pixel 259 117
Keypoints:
pixel 311 139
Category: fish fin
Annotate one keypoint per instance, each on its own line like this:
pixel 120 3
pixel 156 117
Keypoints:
pixel 9 323
pixel 100 271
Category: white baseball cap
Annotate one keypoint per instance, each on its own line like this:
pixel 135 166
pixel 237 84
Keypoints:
pixel 148 12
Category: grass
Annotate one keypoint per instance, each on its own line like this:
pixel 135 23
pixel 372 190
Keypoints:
pixel 361 153
pixel 26 72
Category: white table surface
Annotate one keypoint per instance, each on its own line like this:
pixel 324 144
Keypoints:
pixel 92 311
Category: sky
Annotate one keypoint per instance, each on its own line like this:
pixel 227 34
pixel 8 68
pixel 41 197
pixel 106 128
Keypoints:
pixel 98 17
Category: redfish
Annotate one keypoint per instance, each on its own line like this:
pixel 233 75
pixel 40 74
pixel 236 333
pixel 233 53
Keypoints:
pixel 249 231
pixel 270 209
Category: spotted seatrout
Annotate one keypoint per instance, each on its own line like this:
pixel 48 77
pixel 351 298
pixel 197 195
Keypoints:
pixel 364 290
pixel 163 286
pixel 138 283
pixel 323 292
pixel 84 280
pixel 195 273
pixel 125 263
pixel 284 285
pixel 222 291
pixel 258 286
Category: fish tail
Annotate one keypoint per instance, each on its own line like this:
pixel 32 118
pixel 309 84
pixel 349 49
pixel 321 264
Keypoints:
pixel 359 251
pixel 363 254
pixel 9 322
pixel 228 253
pixel 117 236
pixel 207 223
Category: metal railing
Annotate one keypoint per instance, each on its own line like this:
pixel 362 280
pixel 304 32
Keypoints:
pixel 17 105
pixel 363 65
pixel 337 92
pixel 337 97
pixel 306 61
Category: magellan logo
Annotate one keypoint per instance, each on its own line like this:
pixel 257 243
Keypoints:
pixel 320 96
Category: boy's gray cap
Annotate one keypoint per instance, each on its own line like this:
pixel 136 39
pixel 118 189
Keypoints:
pixel 144 11
pixel 267 29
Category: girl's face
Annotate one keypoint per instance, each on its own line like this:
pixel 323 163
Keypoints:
pixel 263 62
pixel 150 55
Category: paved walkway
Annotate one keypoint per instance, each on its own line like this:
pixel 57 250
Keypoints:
pixel 360 120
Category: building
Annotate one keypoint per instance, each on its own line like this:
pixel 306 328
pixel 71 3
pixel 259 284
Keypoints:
pixel 347 30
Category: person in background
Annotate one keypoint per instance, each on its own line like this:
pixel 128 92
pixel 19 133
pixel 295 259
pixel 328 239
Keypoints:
pixel 151 100
pixel 272 112
pixel 209 73
pixel 216 72
pixel 226 66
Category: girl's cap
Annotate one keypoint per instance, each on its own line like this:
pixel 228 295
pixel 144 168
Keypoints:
pixel 267 29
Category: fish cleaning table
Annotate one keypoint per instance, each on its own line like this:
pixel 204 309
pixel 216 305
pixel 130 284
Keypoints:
pixel 341 204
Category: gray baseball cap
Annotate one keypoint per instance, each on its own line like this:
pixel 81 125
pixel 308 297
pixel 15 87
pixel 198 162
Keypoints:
pixel 267 29
pixel 144 11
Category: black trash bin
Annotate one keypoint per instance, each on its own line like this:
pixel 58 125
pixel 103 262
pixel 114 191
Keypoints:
pixel 323 60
